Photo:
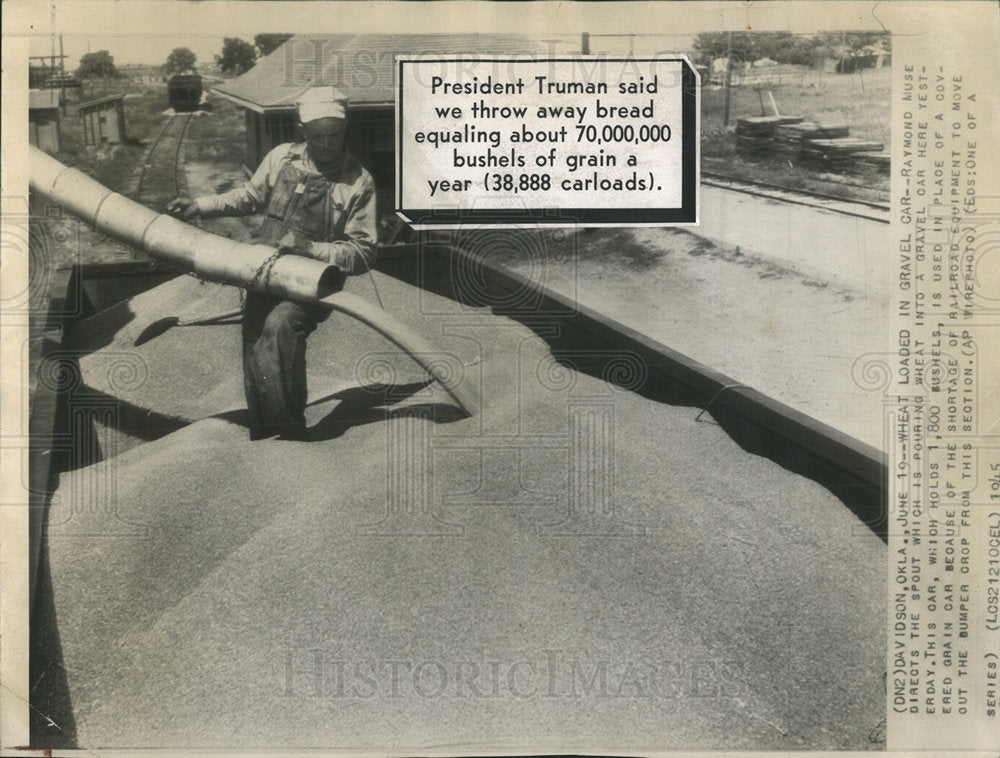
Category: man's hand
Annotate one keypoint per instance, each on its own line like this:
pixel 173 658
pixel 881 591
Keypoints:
pixel 183 208
pixel 296 244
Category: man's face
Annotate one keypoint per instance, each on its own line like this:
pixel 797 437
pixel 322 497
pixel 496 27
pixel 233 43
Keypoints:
pixel 325 139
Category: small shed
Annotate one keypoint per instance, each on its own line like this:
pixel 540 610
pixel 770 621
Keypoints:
pixel 43 119
pixel 103 121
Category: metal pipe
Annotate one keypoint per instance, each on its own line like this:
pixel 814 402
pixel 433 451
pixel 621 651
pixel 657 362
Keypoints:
pixel 208 255
pixel 227 261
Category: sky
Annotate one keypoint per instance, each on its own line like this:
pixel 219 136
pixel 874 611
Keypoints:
pixel 149 49
pixel 153 49
pixel 145 31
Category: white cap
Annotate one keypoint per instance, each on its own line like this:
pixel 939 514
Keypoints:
pixel 321 102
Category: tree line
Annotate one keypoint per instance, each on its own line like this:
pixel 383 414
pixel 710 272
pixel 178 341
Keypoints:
pixel 237 56
pixel 785 47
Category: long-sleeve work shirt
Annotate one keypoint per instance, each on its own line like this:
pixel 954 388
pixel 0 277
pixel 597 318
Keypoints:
pixel 352 223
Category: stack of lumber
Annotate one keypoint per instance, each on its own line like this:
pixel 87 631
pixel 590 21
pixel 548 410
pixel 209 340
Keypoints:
pixel 790 138
pixel 880 161
pixel 841 154
pixel 755 136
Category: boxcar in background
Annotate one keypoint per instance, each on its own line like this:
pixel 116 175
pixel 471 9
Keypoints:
pixel 184 91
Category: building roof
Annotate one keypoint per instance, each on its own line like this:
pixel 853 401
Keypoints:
pixel 43 99
pixel 90 104
pixel 359 64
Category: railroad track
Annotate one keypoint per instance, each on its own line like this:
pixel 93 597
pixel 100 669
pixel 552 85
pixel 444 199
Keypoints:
pixel 865 209
pixel 161 177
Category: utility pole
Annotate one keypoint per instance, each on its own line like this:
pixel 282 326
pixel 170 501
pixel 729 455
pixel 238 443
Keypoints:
pixel 62 76
pixel 729 69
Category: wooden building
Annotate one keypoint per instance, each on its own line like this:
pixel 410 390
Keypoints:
pixel 43 119
pixel 362 67
pixel 103 121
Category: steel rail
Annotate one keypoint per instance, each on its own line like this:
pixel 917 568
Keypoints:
pixel 177 157
pixel 797 190
pixel 804 203
pixel 709 163
pixel 158 144
pixel 148 158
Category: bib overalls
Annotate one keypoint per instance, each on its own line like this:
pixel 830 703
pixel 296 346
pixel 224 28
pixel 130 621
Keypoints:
pixel 275 329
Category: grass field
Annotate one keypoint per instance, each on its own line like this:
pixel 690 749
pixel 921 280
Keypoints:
pixel 218 136
pixel 144 106
pixel 61 240
pixel 860 100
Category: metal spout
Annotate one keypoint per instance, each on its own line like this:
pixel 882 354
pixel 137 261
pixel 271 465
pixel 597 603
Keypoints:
pixel 226 261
